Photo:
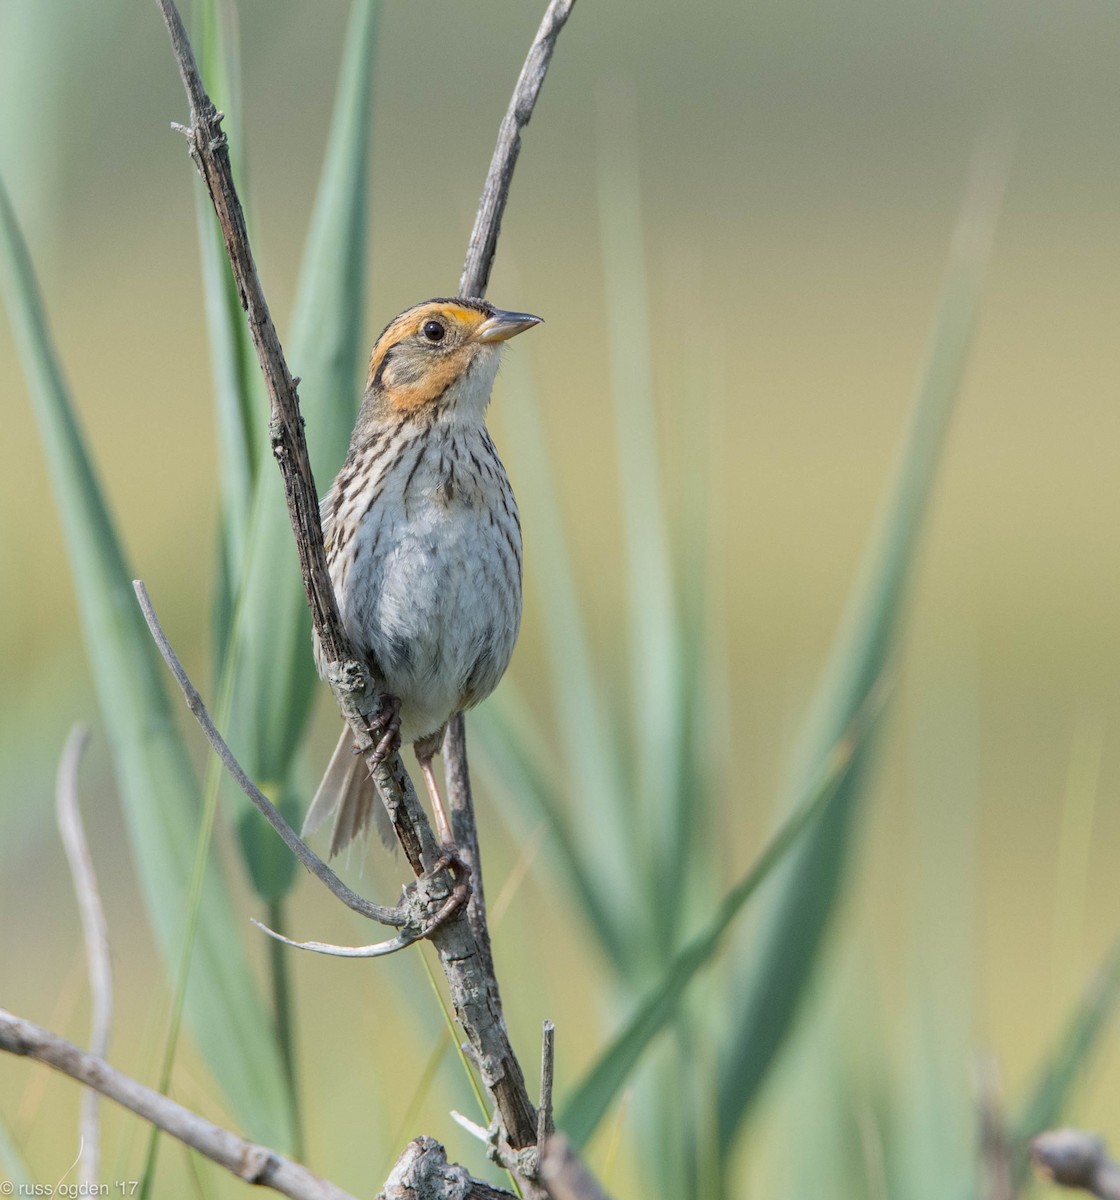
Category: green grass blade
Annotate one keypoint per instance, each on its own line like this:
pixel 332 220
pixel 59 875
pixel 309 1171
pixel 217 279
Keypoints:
pixel 591 1099
pixel 512 757
pixel 157 783
pixel 933 1109
pixel 1061 1072
pixel 652 618
pixel 275 682
pixel 328 324
pixel 767 992
pixel 582 712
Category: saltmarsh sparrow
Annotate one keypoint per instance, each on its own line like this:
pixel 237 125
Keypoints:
pixel 423 543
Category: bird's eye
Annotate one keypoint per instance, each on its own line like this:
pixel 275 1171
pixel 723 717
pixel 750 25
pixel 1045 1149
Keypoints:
pixel 433 331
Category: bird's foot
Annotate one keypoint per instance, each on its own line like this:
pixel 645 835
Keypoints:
pixel 452 862
pixel 385 729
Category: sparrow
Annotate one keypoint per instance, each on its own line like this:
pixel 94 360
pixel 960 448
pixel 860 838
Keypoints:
pixel 423 542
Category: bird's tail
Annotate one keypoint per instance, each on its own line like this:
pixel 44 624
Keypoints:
pixel 347 793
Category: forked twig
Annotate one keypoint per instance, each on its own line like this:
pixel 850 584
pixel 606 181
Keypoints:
pixel 250 1162
pixel 95 933
pixel 396 917
pixel 472 988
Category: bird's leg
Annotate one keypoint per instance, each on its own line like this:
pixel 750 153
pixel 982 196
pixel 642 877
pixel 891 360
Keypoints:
pixel 450 859
pixel 385 729
pixel 443 825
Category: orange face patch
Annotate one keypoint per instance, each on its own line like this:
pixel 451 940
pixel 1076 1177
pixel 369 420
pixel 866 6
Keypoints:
pixel 437 377
pixel 422 380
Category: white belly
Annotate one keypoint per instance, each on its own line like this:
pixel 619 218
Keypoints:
pixel 430 588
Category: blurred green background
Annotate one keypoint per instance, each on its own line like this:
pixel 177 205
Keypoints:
pixel 801 166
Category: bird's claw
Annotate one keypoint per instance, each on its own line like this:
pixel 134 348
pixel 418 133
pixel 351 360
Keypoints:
pixel 385 729
pixel 450 860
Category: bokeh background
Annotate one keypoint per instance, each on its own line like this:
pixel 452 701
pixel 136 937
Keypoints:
pixel 801 165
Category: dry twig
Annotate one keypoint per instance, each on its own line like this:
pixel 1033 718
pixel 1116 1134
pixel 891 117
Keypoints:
pixel 95 933
pixel 466 962
pixel 473 282
pixel 375 912
pixel 548 1062
pixel 254 1164
pixel 473 989
pixel 495 192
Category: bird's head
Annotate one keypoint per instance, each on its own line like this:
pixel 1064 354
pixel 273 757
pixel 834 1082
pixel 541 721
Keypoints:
pixel 440 356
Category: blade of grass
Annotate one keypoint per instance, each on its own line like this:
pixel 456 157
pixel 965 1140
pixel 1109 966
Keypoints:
pixel 768 990
pixel 512 757
pixel 158 788
pixel 653 620
pixel 590 737
pixel 933 1116
pixel 591 1100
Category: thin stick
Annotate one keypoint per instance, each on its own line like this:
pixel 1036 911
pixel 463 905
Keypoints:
pixel 376 912
pixel 473 993
pixel 488 221
pixel 250 1162
pixel 473 282
pixel 95 933
pixel 464 829
pixel 548 1059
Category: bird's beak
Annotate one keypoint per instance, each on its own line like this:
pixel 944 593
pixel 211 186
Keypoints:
pixel 504 325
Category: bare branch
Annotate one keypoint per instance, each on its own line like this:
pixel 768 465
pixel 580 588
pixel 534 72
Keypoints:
pixel 250 1162
pixel 375 912
pixel 548 1059
pixel 495 193
pixel 1074 1159
pixel 473 282
pixel 95 933
pixel 465 830
pixel 473 992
